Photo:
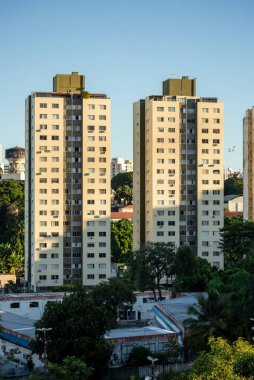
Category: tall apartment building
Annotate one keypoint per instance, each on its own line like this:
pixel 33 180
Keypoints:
pixel 178 169
pixel 67 216
pixel 120 165
pixel 248 165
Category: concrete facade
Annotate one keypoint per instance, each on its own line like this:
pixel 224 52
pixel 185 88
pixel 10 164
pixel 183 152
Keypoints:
pixel 178 181
pixel 248 166
pixel 67 213
pixel 120 165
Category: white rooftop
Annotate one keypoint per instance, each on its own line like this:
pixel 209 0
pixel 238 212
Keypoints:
pixel 135 332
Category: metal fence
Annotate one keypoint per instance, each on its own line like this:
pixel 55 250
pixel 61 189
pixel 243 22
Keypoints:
pixel 125 373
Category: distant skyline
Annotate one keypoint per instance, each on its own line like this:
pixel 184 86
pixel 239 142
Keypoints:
pixel 126 49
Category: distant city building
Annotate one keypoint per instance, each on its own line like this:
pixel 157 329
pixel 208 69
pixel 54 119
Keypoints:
pixel 15 169
pixel 229 172
pixel 120 165
pixel 248 165
pixel 67 222
pixel 178 170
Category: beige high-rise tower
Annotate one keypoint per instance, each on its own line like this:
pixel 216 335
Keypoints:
pixel 248 166
pixel 67 217
pixel 178 169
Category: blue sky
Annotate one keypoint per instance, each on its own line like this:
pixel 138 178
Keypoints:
pixel 126 48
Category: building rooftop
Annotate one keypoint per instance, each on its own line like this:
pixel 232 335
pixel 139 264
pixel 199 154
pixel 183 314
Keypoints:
pixel 17 324
pixel 29 296
pixel 178 307
pixel 135 332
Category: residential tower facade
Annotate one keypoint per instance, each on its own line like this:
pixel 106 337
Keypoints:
pixel 67 213
pixel 178 169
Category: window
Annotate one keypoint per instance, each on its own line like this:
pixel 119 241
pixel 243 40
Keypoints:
pixel 102 255
pixel 91 106
pixel 160 109
pixel 54 245
pixel 43 277
pixel 204 121
pixel 90 159
pixel 171 233
pixel 160 140
pixel 43 180
pixel 54 277
pixel 55 127
pixel 102 117
pixel 171 109
pixel 90 128
pixel 205 110
pixel 43 137
pixel 171 140
pixel 205 131
pixel 14 305
pixel 55 116
pixel 102 128
pixel 90 255
pixel 103 107
pixel 54 255
pixel 43 116
pixel 216 121
pixel 90 276
pixel 205 151
pixel 54 138
pixel 43 126
pixel 43 105
pixel 43 255
pixel 34 304
pixel 216 141
pixel 102 276
pixel 102 234
pixel 171 119
pixel 204 141
pixel 55 105
pixel 205 254
pixel 43 191
pixel 171 130
pixel 102 244
pixel 205 243
pixel 55 159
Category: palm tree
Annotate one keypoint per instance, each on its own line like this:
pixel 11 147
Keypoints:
pixel 208 318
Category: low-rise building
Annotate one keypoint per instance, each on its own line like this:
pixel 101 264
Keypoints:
pixel 125 339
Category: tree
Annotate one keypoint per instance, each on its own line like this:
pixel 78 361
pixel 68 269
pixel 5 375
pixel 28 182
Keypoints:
pixel 78 327
pixel 122 179
pixel 116 295
pixel 233 185
pixel 121 240
pixel 11 261
pixel 122 184
pixel 192 272
pixel 237 240
pixel 152 264
pixel 208 318
pixel 12 214
pixel 224 361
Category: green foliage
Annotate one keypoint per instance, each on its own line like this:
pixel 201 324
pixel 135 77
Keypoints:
pixel 10 260
pixel 237 241
pixel 12 227
pixel 192 272
pixel 233 185
pixel 151 265
pixel 78 327
pixel 122 184
pixel 223 361
pixel 122 179
pixel 116 295
pixel 71 368
pixel 208 318
pixel 121 240
pixel 12 214
pixel 138 356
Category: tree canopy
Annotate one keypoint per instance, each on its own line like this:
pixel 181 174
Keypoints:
pixel 122 184
pixel 237 240
pixel 233 185
pixel 192 272
pixel 79 323
pixel 121 240
pixel 151 265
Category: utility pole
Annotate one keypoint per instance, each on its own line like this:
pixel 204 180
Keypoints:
pixel 152 360
pixel 45 330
